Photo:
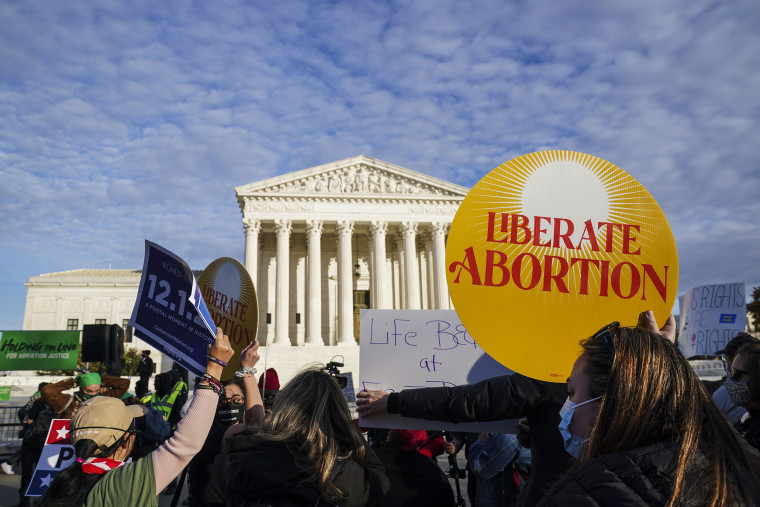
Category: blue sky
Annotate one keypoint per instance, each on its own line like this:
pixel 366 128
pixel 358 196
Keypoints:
pixel 126 120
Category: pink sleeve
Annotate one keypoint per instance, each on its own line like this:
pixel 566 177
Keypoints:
pixel 174 454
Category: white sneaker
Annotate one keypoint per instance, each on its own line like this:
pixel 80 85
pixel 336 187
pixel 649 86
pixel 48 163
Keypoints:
pixel 7 468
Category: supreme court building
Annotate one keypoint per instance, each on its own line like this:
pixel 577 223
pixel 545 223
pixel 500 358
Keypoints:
pixel 320 244
pixel 325 242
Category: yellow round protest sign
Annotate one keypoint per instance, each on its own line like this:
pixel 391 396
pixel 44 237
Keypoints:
pixel 231 299
pixel 548 248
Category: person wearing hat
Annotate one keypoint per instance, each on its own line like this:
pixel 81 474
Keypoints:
pixel 721 397
pixel 90 385
pixel 269 385
pixel 103 434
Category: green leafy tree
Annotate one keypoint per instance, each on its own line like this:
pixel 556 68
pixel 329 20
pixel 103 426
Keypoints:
pixel 753 308
pixel 131 360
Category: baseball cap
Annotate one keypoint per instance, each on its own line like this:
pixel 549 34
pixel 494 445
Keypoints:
pixel 104 420
pixel 736 343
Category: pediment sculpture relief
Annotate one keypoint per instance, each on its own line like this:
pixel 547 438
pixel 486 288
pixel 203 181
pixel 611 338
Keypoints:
pixel 359 179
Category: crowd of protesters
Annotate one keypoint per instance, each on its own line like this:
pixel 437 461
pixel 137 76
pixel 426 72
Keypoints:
pixel 633 425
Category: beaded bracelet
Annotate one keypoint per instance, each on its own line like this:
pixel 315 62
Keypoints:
pixel 217 385
pixel 209 387
pixel 216 360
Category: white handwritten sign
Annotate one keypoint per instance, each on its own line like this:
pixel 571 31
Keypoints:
pixel 409 349
pixel 710 316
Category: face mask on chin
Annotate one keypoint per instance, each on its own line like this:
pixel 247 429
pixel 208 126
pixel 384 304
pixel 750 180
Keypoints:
pixel 573 443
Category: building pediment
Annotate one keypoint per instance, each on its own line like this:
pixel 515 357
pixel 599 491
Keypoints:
pixel 356 176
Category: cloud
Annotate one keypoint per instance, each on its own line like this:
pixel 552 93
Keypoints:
pixel 125 121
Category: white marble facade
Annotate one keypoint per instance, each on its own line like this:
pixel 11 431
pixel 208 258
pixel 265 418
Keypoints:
pixel 323 242
pixel 305 234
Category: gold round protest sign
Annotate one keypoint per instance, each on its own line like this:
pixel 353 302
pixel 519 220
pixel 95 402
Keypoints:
pixel 548 248
pixel 231 299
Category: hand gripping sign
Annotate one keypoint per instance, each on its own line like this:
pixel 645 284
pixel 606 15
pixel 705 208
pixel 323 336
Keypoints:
pixel 549 247
pixel 170 313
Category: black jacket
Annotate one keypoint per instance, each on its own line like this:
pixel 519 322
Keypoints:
pixel 254 473
pixel 145 368
pixel 749 428
pixel 415 479
pixel 640 477
pixel 506 397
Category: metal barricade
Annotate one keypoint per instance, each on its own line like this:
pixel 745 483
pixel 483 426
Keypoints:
pixel 9 424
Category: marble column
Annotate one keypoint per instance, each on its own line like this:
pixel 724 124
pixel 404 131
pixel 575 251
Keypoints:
pixel 282 229
pixel 438 230
pixel 378 230
pixel 411 267
pixel 345 284
pixel 252 228
pixel 314 284
pixel 399 300
pixel 428 286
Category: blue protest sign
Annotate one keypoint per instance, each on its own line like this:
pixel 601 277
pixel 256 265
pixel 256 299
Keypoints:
pixel 170 313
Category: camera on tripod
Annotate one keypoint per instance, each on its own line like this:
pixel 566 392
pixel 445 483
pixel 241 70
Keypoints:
pixel 332 369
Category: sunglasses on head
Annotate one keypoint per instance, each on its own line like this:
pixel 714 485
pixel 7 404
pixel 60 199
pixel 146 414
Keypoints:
pixel 605 335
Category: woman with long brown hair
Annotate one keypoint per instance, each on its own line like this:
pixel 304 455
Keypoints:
pixel 646 430
pixel 307 452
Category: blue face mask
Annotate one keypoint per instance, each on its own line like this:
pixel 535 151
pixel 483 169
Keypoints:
pixel 572 442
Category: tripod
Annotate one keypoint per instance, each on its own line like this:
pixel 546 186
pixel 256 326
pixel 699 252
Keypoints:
pixel 456 473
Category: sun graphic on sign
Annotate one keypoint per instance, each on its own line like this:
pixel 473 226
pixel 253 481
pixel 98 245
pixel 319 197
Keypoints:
pixel 552 246
pixel 230 296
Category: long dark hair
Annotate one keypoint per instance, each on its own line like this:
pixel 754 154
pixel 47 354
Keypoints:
pixel 311 416
pixel 651 394
pixel 71 485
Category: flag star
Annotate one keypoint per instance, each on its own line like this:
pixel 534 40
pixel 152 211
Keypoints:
pixel 62 433
pixel 46 480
